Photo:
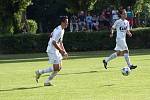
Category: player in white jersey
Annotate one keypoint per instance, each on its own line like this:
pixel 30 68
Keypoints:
pixel 55 51
pixel 122 28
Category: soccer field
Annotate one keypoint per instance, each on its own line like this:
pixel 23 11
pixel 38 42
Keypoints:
pixel 83 77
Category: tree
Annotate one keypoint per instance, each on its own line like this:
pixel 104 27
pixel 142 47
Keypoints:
pixel 47 13
pixel 142 10
pixel 77 5
pixel 11 15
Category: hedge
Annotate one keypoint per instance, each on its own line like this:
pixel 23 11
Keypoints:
pixel 78 41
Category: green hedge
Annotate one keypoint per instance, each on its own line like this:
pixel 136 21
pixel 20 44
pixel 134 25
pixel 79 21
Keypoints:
pixel 79 41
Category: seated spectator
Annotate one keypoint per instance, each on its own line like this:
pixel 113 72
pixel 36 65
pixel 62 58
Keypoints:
pixel 130 16
pixel 95 23
pixel 108 15
pixel 81 21
pixel 103 21
pixel 89 22
pixel 74 24
pixel 114 15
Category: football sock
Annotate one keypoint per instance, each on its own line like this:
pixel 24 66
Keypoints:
pixel 126 56
pixel 112 56
pixel 46 70
pixel 54 73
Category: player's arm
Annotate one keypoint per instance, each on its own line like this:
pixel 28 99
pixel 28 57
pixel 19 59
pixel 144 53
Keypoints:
pixel 55 38
pixel 113 28
pixel 112 32
pixel 129 33
pixel 62 47
pixel 128 30
pixel 58 47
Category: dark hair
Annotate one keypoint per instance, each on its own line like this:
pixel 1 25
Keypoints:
pixel 63 18
pixel 120 12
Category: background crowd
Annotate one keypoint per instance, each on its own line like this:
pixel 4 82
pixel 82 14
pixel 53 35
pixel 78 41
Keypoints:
pixel 88 21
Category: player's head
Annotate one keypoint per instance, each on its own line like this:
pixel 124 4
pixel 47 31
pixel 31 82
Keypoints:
pixel 64 21
pixel 123 13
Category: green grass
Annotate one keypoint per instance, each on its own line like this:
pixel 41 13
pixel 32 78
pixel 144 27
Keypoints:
pixel 82 77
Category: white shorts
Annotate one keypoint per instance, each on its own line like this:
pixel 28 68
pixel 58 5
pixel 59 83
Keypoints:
pixel 121 45
pixel 54 58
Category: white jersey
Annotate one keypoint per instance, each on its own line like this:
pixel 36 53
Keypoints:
pixel 121 26
pixel 57 35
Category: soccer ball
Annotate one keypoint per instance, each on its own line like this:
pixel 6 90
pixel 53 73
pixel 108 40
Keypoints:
pixel 125 71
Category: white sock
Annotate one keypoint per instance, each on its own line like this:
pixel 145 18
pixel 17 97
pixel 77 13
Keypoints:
pixel 126 56
pixel 46 70
pixel 112 56
pixel 54 73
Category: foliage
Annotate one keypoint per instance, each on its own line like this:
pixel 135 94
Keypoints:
pixel 78 5
pixel 47 13
pixel 142 11
pixel 11 12
pixel 72 41
pixel 32 26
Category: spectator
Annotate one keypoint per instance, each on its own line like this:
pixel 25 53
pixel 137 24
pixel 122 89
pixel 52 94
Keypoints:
pixel 103 20
pixel 114 15
pixel 74 24
pixel 89 22
pixel 130 16
pixel 95 23
pixel 82 21
pixel 108 15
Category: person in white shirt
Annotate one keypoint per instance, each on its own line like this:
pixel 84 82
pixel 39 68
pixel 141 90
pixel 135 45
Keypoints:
pixel 122 27
pixel 114 15
pixel 55 51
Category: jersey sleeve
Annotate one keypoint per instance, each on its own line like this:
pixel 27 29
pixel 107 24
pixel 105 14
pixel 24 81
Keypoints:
pixel 56 35
pixel 115 24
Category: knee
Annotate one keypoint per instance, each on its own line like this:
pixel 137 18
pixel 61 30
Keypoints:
pixel 57 68
pixel 126 51
pixel 119 53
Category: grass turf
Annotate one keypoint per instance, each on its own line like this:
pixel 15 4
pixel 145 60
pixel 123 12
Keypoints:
pixel 82 77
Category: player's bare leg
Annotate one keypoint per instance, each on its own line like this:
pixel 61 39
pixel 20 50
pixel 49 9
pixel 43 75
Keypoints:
pixel 57 68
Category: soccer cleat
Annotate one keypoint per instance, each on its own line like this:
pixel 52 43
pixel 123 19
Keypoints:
pixel 133 66
pixel 48 84
pixel 37 75
pixel 105 64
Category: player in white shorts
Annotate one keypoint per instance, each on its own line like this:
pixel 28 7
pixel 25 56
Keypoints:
pixel 122 28
pixel 55 51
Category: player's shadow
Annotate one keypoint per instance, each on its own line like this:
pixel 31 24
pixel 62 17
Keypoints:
pixel 108 85
pixel 79 73
pixel 76 73
pixel 20 88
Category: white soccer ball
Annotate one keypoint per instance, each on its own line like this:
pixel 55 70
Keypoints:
pixel 125 71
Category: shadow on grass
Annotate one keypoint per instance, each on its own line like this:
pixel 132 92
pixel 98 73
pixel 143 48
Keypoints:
pixel 79 73
pixel 23 60
pixel 76 73
pixel 18 58
pixel 106 85
pixel 21 88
